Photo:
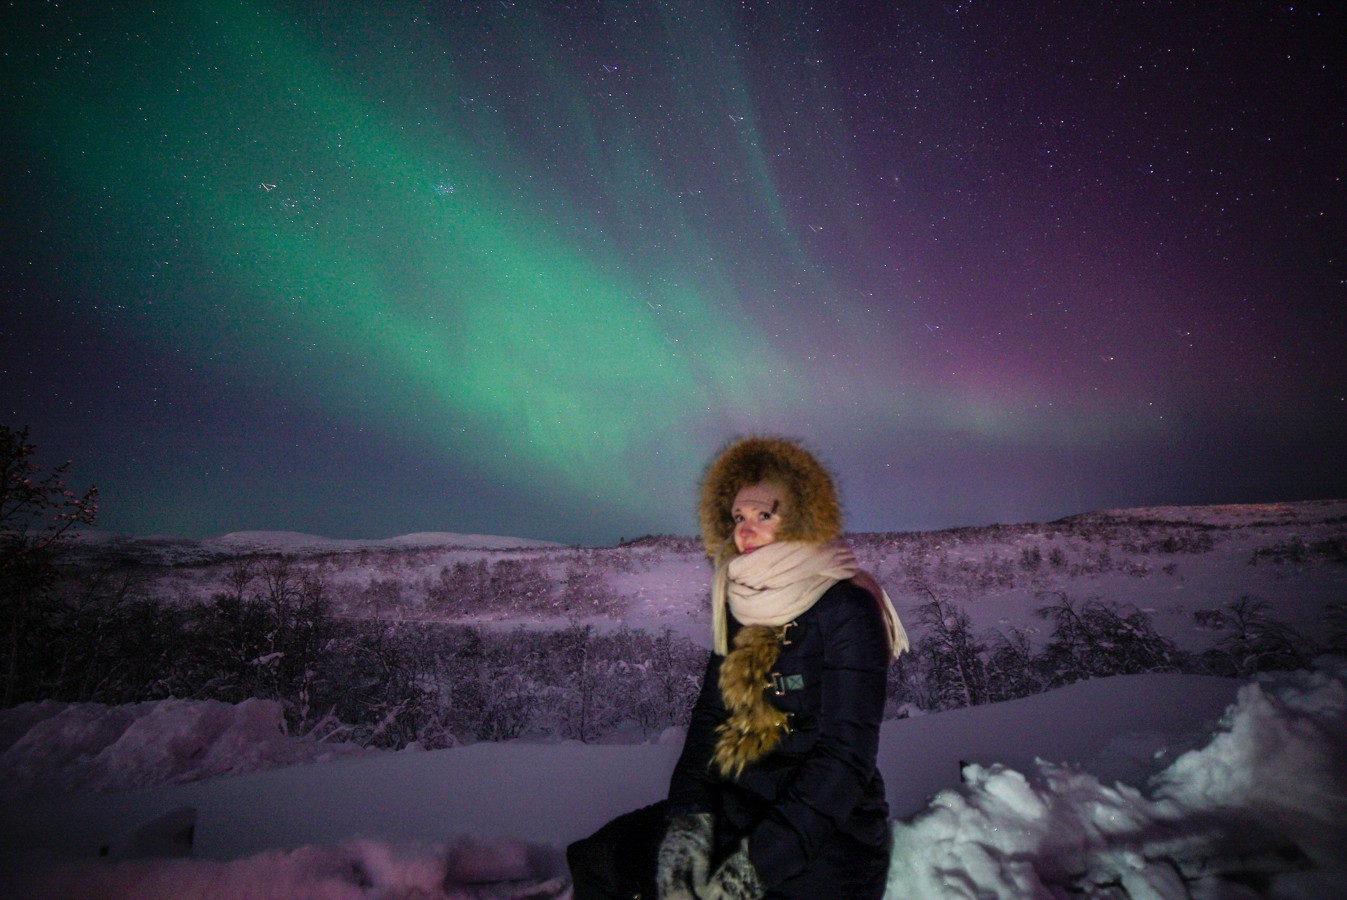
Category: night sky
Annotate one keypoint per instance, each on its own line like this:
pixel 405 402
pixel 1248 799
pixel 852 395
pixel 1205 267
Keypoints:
pixel 365 269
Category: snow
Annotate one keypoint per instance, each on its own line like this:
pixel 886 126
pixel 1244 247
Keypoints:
pixel 52 747
pixel 1140 786
pixel 1137 786
pixel 1261 801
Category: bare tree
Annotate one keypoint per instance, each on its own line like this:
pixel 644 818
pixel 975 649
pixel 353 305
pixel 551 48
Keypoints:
pixel 37 511
pixel 954 658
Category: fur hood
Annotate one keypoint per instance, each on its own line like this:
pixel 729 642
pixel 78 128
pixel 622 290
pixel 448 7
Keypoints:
pixel 812 515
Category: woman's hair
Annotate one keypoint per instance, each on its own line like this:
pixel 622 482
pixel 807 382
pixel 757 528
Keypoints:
pixel 812 513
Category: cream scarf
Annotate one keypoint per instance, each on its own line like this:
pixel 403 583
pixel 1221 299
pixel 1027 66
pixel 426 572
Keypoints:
pixel 777 583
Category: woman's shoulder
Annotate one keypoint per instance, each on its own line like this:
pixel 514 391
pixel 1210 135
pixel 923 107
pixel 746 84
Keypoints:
pixel 849 613
pixel 844 600
pixel 849 592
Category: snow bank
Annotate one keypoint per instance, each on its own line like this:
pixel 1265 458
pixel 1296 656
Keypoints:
pixel 52 747
pixel 1256 812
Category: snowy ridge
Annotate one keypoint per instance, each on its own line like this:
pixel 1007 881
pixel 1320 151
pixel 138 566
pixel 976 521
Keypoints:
pixel 297 543
pixel 164 550
pixel 1308 512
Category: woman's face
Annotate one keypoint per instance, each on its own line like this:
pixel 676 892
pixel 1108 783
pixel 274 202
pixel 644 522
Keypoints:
pixel 757 512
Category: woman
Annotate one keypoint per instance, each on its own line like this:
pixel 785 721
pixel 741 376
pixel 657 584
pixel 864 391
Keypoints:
pixel 776 794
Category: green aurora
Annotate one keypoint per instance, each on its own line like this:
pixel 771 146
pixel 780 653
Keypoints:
pixel 258 206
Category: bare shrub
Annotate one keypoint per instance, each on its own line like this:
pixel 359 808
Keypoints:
pixel 380 597
pixel 585 591
pixel 1297 551
pixel 1013 670
pixel 1095 639
pixel 462 589
pixel 1095 562
pixel 1031 559
pixel 1253 641
pixel 1187 540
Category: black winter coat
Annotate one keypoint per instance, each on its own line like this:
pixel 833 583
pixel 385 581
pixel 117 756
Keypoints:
pixel 813 810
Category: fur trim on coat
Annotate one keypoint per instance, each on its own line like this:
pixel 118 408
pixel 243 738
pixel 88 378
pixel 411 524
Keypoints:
pixel 812 514
pixel 755 726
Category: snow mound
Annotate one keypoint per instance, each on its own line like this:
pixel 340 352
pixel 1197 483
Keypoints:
pixel 52 747
pixel 1256 812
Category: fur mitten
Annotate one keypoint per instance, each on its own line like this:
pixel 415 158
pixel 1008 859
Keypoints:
pixel 736 879
pixel 684 857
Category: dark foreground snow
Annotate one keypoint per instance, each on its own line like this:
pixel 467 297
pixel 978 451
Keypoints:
pixel 1143 788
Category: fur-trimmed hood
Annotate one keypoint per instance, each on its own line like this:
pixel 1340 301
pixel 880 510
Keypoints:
pixel 812 513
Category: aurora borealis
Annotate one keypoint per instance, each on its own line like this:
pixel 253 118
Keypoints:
pixel 503 267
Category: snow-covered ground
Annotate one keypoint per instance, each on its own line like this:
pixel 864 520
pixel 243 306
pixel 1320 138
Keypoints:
pixel 1131 786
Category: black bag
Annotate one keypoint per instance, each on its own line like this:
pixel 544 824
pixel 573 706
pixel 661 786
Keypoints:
pixel 618 861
